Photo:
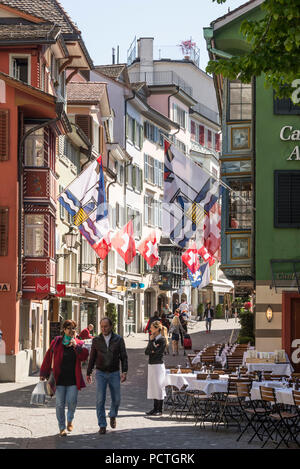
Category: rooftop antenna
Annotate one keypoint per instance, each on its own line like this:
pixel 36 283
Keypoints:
pixel 113 55
pixel 118 54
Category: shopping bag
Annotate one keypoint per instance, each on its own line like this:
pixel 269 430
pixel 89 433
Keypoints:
pixel 38 396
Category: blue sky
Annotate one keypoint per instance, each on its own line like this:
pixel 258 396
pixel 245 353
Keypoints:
pixel 107 24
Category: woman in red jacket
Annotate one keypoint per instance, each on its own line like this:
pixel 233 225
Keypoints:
pixel 64 357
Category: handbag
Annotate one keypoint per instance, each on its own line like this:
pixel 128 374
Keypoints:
pixel 51 383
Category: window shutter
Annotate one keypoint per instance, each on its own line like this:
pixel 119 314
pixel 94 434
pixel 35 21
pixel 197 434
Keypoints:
pixel 146 209
pixel 101 139
pixel 209 138
pixel 4 231
pixel 4 137
pixel 287 199
pixel 217 147
pixel 201 135
pixel 85 123
pixel 193 130
pixel 134 181
pixel 146 167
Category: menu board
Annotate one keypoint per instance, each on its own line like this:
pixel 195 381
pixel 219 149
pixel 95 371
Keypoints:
pixel 55 330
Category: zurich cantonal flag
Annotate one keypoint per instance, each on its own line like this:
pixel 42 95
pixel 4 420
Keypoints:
pixel 201 278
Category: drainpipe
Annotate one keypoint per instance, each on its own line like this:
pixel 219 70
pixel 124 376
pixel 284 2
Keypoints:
pixel 21 195
pixel 90 147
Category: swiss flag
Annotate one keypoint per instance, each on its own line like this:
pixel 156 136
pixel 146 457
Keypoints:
pixel 103 247
pixel 206 256
pixel 191 259
pixel 124 243
pixel 149 249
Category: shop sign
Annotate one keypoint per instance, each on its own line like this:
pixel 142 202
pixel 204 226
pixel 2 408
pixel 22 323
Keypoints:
pixel 296 353
pixel 75 291
pixel 60 290
pixel 42 285
pixel 289 134
pixel 4 287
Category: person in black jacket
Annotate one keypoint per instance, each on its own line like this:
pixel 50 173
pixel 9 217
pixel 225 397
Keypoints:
pixel 208 316
pixel 108 350
pixel 156 368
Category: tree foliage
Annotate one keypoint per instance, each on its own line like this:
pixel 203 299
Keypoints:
pixel 274 48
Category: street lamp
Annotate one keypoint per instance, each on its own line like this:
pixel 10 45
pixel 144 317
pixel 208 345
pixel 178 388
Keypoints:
pixel 70 241
pixel 269 313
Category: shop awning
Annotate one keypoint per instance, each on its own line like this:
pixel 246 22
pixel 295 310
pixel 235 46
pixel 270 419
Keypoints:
pixel 222 286
pixel 106 296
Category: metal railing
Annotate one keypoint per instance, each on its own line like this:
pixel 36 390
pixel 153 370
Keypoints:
pixel 207 112
pixel 161 78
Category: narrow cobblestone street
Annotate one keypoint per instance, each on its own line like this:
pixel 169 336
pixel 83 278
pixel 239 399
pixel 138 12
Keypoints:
pixel 28 427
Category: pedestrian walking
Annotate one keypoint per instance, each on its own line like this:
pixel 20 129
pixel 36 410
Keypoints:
pixel 153 318
pixel 208 316
pixel 156 368
pixel 175 306
pixel 108 350
pixel 87 332
pixel 165 321
pixel 183 317
pixel 64 358
pixel 175 330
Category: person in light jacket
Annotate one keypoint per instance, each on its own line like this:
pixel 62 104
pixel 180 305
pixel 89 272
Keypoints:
pixel 64 357
pixel 156 368
pixel 175 330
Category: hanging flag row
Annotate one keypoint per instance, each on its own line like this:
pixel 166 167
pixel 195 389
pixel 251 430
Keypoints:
pixel 190 200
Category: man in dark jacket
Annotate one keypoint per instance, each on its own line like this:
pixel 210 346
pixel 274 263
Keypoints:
pixel 108 350
pixel 208 316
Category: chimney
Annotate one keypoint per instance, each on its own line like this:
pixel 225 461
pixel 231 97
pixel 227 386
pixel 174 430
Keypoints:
pixel 113 55
pixel 145 54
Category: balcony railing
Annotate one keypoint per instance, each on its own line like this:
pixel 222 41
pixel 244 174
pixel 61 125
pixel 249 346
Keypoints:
pixel 207 112
pixel 161 78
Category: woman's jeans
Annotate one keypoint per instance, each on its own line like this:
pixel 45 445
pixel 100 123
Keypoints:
pixel 65 395
pixel 113 381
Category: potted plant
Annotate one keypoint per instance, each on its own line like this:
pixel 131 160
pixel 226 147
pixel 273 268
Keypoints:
pixel 111 313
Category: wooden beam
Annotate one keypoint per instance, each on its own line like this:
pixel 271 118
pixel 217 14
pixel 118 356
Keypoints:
pixel 22 14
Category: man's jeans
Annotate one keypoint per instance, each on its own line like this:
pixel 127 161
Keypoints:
pixel 113 381
pixel 208 324
pixel 65 395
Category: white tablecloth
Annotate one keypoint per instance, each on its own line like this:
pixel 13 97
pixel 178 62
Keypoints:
pixel 276 368
pixel 283 396
pixel 179 379
pixel 208 386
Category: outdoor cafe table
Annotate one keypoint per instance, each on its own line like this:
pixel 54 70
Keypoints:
pixel 179 379
pixel 283 395
pixel 275 368
pixel 208 386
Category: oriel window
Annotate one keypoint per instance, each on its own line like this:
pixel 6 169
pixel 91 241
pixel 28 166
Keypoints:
pixel 34 148
pixel 240 101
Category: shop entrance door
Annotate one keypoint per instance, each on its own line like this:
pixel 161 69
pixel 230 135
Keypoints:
pixel 295 333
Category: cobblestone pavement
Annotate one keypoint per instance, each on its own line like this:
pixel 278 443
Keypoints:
pixel 24 426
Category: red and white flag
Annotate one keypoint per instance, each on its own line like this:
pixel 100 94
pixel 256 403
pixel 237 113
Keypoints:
pixel 103 247
pixel 206 256
pixel 212 231
pixel 191 259
pixel 124 243
pixel 149 249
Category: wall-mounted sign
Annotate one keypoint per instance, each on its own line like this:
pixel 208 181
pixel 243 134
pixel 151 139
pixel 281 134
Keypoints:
pixel 4 287
pixel 60 290
pixel 42 285
pixel 289 134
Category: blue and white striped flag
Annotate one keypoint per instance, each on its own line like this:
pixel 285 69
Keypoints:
pixel 189 194
pixel 85 200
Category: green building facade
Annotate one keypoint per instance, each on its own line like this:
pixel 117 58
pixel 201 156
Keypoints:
pixel 261 162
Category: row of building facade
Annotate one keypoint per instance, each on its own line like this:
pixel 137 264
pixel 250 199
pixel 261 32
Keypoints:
pixel 58 112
